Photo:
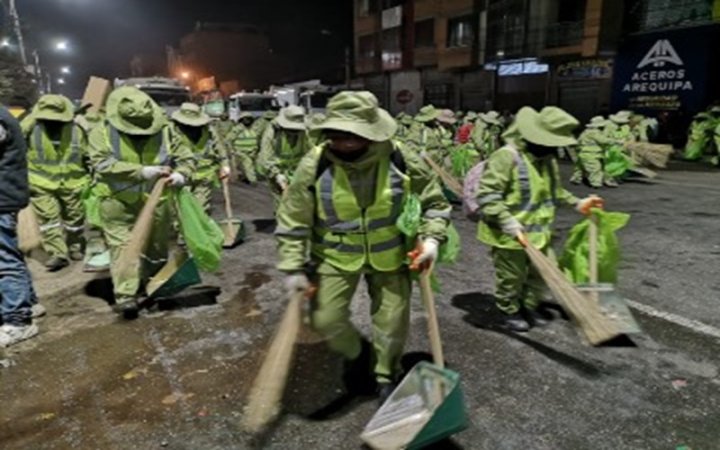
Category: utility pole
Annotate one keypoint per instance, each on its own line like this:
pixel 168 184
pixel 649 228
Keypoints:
pixel 18 31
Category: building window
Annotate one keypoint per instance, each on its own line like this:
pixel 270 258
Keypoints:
pixel 425 33
pixel 367 7
pixel 366 46
pixel 387 4
pixel 461 31
pixel 440 95
pixel 392 49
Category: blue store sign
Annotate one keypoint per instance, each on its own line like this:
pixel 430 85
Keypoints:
pixel 667 70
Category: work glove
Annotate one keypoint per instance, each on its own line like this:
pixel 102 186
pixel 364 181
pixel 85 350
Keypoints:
pixel 424 255
pixel 153 172
pixel 176 179
pixel 282 181
pixel 512 227
pixel 296 282
pixel 585 205
pixel 224 172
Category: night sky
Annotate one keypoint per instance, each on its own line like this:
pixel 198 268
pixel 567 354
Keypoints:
pixel 105 34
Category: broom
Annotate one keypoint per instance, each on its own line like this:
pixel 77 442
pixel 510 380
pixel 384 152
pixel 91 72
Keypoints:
pixel 656 155
pixel 585 313
pixel 267 389
pixel 28 230
pixel 128 263
pixel 450 182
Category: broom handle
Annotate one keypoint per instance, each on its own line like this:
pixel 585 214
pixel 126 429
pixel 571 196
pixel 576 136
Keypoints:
pixel 433 327
pixel 593 257
pixel 226 195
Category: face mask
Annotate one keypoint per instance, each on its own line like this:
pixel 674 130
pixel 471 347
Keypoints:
pixel 194 133
pixel 540 151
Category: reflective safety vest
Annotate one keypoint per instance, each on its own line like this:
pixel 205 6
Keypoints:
pixel 531 199
pixel 348 237
pixel 588 141
pixel 288 156
pixel 53 165
pixel 154 153
pixel 246 141
pixel 206 165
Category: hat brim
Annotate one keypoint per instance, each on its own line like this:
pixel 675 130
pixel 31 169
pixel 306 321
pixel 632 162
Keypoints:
pixel 65 117
pixel 447 120
pixel 381 130
pixel 531 131
pixel 490 119
pixel 179 117
pixel 282 122
pixel 620 119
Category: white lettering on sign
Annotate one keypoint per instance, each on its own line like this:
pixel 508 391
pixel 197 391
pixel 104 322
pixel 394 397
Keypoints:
pixel 660 54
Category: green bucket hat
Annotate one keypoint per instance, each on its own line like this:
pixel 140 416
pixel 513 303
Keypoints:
pixel 597 122
pixel 191 115
pixel 427 113
pixel 359 113
pixel 315 119
pixel 245 115
pixel 133 112
pixel 551 127
pixel 471 116
pixel 621 117
pixel 490 117
pixel 291 118
pixel 715 110
pixel 54 107
pixel 447 116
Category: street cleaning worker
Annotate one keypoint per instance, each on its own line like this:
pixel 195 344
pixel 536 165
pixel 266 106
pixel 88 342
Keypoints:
pixel 282 147
pixel 618 129
pixel 263 122
pixel 130 152
pixel 518 193
pixel 341 209
pixel 191 124
pixel 245 146
pixel 425 134
pixel 591 157
pixel 58 171
pixel 486 133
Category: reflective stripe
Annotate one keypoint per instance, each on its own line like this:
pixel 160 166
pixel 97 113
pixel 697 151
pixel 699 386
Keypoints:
pixel 535 206
pixel 524 180
pixel 75 156
pixel 295 232
pixel 115 143
pixel 393 243
pixel 437 214
pixel 340 246
pixel 69 228
pixel 105 164
pixel 50 226
pixel 489 198
pixel 326 195
pixel 39 147
pixel 154 261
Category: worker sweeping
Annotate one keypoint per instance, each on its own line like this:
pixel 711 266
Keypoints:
pixel 282 146
pixel 591 155
pixel 58 171
pixel 191 124
pixel 245 146
pixel 429 135
pixel 518 193
pixel 130 152
pixel 486 133
pixel 341 209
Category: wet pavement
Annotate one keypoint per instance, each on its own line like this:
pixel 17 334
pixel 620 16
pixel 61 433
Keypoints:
pixel 178 379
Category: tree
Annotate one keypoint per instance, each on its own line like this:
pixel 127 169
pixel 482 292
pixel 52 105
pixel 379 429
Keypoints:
pixel 15 82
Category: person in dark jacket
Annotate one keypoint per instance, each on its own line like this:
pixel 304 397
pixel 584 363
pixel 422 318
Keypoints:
pixel 16 291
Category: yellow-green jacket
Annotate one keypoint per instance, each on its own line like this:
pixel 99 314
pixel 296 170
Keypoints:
pixel 55 165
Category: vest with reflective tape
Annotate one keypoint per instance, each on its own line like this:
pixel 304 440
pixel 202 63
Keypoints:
pixel 154 153
pixel 206 167
pixel 531 199
pixel 348 237
pixel 246 141
pixel 288 156
pixel 56 164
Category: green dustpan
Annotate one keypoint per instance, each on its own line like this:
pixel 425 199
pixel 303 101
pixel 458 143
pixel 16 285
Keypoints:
pixel 426 407
pixel 178 274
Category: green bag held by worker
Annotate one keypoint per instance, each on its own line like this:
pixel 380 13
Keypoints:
pixel 409 221
pixel 203 236
pixel 575 257
pixel 698 142
pixel 617 163
pixel 92 207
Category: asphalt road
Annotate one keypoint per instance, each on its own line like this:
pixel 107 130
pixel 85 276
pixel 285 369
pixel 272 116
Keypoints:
pixel 178 379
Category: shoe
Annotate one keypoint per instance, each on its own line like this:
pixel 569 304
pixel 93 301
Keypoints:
pixel 12 334
pixel 56 263
pixel 128 308
pixel 38 310
pixel 575 181
pixel 516 322
pixel 537 318
pixel 611 183
pixel 384 391
pixel 358 377
pixel 77 256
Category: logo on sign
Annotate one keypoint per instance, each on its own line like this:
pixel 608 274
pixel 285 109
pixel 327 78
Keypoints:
pixel 660 54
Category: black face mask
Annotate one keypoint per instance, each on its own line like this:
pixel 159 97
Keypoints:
pixel 540 151
pixel 193 133
pixel 349 157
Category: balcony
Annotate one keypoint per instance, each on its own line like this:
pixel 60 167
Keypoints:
pixel 367 24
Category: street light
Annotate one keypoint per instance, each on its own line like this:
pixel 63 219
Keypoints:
pixel 65 70
pixel 61 46
pixel 5 43
pixel 61 81
pixel 185 75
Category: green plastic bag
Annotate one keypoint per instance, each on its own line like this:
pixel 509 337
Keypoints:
pixel 462 159
pixel 575 257
pixel 450 249
pixel 203 236
pixel 697 142
pixel 409 221
pixel 617 163
pixel 92 207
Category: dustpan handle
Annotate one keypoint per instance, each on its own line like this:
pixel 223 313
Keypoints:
pixel 433 328
pixel 593 255
pixel 226 194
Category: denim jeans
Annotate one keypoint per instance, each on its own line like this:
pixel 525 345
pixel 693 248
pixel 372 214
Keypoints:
pixel 17 294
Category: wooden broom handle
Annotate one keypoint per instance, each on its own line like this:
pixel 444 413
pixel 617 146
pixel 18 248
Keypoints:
pixel 593 256
pixel 226 194
pixel 433 327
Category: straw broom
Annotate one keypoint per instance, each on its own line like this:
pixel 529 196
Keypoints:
pixel 28 230
pixel 450 182
pixel 269 385
pixel 656 155
pixel 586 314
pixel 128 262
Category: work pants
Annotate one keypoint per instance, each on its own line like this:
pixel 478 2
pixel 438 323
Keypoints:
pixel 61 215
pixel 518 284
